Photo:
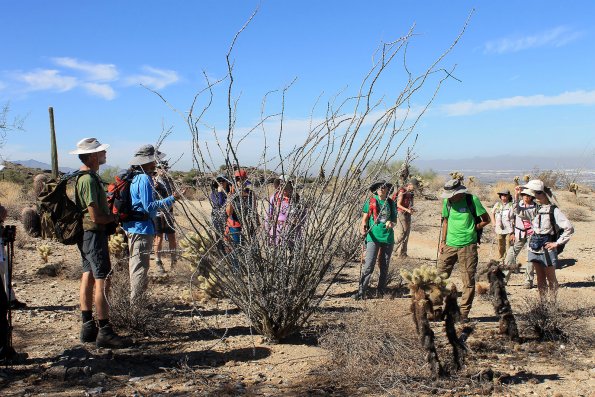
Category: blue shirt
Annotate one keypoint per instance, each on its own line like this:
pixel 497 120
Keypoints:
pixel 141 194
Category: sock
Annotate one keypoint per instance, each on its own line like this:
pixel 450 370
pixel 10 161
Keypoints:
pixel 103 323
pixel 87 315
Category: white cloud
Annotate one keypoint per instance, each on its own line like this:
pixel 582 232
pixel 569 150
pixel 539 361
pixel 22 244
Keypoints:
pixel 94 71
pixel 47 79
pixel 101 90
pixel 154 78
pixel 2 86
pixel 556 37
pixel 566 98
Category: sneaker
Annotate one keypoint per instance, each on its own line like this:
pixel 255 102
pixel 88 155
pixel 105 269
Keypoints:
pixel 17 304
pixel 89 332
pixel 528 285
pixel 107 337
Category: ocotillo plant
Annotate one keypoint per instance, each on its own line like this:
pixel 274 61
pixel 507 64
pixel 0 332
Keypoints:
pixel 282 266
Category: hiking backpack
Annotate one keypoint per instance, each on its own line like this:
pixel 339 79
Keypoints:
pixel 61 219
pixel 557 230
pixel 373 207
pixel 471 206
pixel 119 200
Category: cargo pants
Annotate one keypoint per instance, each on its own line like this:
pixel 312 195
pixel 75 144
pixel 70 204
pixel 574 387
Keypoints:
pixel 467 259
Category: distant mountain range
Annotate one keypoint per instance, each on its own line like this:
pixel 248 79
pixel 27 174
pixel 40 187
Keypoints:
pixel 45 166
pixel 515 162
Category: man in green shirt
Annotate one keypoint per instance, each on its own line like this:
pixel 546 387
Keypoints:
pixel 378 220
pixel 459 237
pixel 91 199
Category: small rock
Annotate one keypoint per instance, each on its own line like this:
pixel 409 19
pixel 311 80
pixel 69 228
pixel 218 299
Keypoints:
pixel 94 391
pixel 135 379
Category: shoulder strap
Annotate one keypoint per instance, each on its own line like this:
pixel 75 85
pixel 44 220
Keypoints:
pixel 471 204
pixel 553 219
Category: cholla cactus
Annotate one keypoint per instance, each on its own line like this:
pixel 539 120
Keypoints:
pixel 209 286
pixel 457 175
pixel 117 244
pixel 573 188
pixel 44 252
pixel 527 178
pixel 194 247
pixel 425 277
pixel 471 180
pixel 517 180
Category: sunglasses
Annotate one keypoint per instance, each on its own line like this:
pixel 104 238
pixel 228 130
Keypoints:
pixel 538 191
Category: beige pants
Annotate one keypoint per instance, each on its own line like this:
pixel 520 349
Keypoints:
pixel 467 259
pixel 503 246
pixel 403 230
pixel 140 247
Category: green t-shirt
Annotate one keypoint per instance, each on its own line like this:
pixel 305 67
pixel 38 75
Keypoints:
pixel 461 225
pixel 89 190
pixel 378 231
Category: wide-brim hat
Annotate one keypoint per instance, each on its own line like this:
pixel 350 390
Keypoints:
pixel 504 192
pixel 413 181
pixel 146 154
pixel 452 187
pixel 376 185
pixel 528 192
pixel 89 145
pixel 536 185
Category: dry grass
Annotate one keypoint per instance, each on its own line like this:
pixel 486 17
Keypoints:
pixel 12 198
pixel 576 214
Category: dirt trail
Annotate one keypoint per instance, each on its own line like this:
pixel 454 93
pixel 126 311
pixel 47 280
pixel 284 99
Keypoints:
pixel 190 358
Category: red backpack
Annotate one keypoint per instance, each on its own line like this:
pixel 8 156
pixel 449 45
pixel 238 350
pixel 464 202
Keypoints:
pixel 119 200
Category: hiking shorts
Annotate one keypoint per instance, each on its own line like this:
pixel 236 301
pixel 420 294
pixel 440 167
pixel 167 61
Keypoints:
pixel 95 254
pixel 550 260
pixel 162 225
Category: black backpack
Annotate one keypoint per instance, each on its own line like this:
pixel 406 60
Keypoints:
pixel 61 219
pixel 476 219
pixel 557 230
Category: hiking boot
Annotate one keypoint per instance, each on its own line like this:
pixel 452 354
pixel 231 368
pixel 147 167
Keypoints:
pixel 464 319
pixel 89 332
pixel 528 285
pixel 10 357
pixel 160 268
pixel 107 337
pixel 17 304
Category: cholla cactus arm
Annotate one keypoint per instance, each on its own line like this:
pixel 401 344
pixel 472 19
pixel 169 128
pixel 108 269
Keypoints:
pixel 194 246
pixel 117 244
pixel 517 180
pixel 527 178
pixel 44 252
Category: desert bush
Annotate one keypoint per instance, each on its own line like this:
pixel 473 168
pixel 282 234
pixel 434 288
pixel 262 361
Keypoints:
pixel 369 350
pixel 552 319
pixel 12 198
pixel 141 317
pixel 551 178
pixel 576 214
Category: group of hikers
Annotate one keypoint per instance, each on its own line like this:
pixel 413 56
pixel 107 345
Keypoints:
pixel 530 217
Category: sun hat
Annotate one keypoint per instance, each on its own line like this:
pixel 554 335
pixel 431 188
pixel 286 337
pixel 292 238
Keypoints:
pixel 222 178
pixel 528 192
pixel 452 187
pixel 285 178
pixel 504 192
pixel 536 185
pixel 378 184
pixel 2 166
pixel 89 145
pixel 146 154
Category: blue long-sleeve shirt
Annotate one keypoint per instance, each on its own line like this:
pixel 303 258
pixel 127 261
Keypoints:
pixel 141 194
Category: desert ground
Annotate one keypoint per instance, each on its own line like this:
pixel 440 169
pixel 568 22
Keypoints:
pixel 207 347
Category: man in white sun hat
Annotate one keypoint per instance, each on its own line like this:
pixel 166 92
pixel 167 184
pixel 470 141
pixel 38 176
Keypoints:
pixel 90 197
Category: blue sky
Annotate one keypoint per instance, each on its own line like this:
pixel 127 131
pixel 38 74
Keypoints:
pixel 525 70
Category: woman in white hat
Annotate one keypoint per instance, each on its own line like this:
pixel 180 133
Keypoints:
pixel 522 231
pixel 546 242
pixel 502 216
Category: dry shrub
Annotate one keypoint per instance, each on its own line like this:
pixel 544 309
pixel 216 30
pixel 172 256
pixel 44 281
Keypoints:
pixel 143 316
pixel 550 178
pixel 12 198
pixel 499 186
pixel 576 214
pixel 482 288
pixel 552 319
pixel 581 201
pixel 369 350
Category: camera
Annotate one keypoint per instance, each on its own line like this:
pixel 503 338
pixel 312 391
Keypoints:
pixel 8 233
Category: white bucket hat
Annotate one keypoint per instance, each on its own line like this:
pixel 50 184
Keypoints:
pixel 146 154
pixel 89 145
pixel 536 185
